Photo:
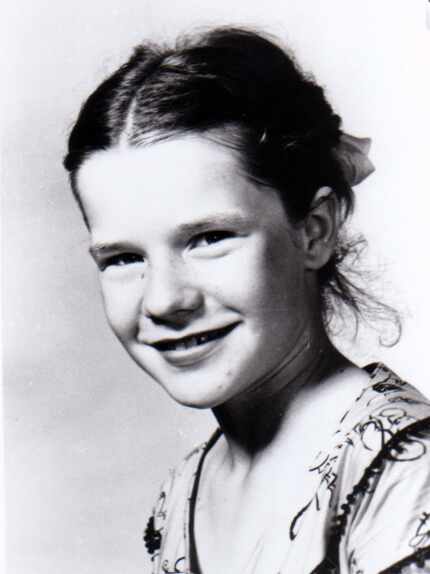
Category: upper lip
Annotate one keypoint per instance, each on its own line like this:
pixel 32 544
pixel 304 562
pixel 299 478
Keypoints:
pixel 166 342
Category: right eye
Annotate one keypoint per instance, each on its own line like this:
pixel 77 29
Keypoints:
pixel 210 238
pixel 120 260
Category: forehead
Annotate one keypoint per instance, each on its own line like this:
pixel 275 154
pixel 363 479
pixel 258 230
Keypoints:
pixel 168 183
pixel 163 163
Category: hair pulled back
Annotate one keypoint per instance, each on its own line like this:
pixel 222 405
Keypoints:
pixel 242 88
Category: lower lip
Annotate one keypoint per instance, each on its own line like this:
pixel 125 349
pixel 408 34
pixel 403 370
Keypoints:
pixel 196 354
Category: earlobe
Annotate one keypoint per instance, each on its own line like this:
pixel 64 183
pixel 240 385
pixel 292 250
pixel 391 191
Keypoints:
pixel 320 228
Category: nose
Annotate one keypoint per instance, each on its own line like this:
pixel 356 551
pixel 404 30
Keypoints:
pixel 169 294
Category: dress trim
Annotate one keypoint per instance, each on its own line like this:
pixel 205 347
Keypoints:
pixel 193 555
pixel 418 558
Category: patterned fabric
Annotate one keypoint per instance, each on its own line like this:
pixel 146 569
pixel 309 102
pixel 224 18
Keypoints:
pixel 369 508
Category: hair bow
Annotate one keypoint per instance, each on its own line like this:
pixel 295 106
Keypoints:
pixel 352 154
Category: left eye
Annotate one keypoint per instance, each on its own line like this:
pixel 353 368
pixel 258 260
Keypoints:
pixel 209 238
pixel 120 260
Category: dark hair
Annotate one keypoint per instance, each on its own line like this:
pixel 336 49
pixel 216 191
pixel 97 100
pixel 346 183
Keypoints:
pixel 274 115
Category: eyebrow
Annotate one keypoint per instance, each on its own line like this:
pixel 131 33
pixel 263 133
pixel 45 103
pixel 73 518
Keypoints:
pixel 100 248
pixel 212 221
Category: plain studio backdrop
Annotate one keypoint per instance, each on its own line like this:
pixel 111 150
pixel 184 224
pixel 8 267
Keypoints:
pixel 88 436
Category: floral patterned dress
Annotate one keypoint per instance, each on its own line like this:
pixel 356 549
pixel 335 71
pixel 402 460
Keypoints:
pixel 369 508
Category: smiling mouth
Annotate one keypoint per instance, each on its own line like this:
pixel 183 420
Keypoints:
pixel 193 340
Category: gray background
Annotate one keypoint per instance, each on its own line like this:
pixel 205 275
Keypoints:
pixel 88 437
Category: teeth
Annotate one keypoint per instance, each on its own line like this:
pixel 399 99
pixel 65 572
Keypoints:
pixel 180 346
pixel 191 341
pixel 185 344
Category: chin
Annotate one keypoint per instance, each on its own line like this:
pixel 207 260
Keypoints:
pixel 195 401
pixel 192 393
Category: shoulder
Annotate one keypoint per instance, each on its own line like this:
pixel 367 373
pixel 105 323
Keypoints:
pixel 391 423
pixel 386 411
pixel 384 503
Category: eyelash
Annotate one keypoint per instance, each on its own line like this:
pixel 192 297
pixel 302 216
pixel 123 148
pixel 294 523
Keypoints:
pixel 211 237
pixel 120 260
pixel 123 259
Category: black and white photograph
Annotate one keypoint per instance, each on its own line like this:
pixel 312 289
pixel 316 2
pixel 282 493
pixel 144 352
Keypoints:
pixel 215 287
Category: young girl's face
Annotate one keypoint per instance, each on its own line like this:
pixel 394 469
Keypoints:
pixel 203 277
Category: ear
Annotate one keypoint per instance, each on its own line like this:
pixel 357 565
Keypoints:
pixel 319 229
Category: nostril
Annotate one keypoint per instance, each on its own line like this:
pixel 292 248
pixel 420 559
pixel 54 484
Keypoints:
pixel 168 292
pixel 175 311
pixel 176 320
pixel 167 302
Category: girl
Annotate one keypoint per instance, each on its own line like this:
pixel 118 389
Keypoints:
pixel 215 179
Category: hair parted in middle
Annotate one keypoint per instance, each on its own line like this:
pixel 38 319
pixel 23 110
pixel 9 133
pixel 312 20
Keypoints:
pixel 277 118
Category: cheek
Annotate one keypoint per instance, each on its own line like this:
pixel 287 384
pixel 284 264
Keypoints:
pixel 121 304
pixel 285 277
pixel 279 294
pixel 231 281
pixel 276 275
pixel 260 278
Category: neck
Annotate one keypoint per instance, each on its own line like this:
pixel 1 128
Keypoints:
pixel 253 422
